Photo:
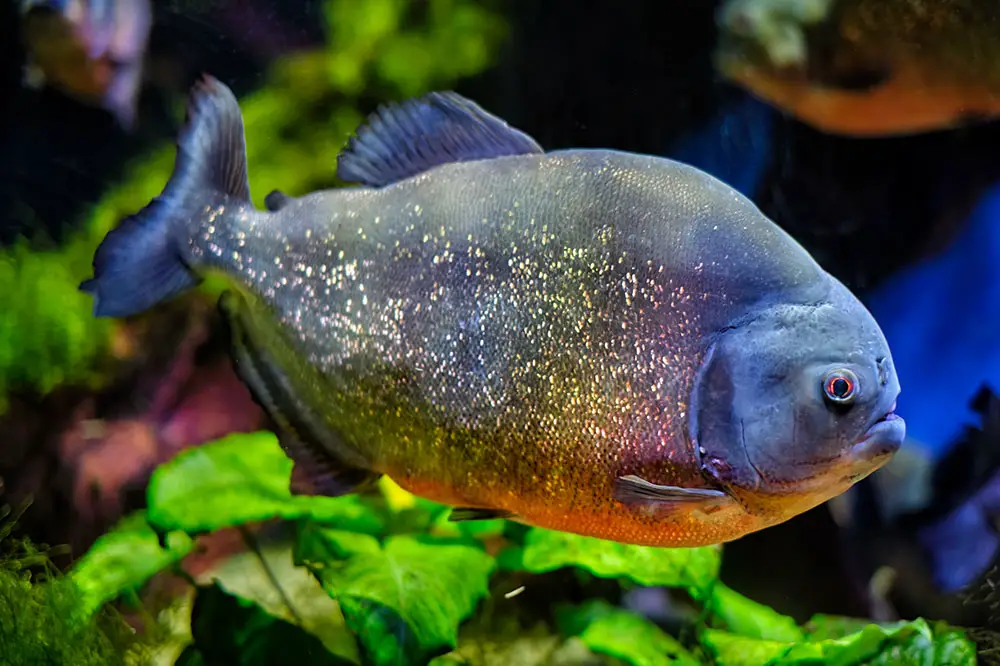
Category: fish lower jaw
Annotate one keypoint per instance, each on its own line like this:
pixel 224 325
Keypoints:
pixel 881 441
pixel 778 500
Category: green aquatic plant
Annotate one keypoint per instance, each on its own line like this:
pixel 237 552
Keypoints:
pixel 47 334
pixel 410 593
pixel 41 623
pixel 34 627
pixel 296 123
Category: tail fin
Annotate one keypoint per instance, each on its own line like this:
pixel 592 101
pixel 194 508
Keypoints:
pixel 141 262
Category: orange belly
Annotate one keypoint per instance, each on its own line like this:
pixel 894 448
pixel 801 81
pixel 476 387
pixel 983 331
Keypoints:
pixel 597 515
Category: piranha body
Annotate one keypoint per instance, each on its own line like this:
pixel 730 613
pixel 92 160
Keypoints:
pixel 593 341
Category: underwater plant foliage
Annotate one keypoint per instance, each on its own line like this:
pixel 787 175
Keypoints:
pixel 47 334
pixel 34 630
pixel 296 123
pixel 227 629
pixel 411 593
pixel 43 618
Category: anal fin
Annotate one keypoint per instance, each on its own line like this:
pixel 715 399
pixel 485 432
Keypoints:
pixel 307 443
pixel 463 514
pixel 319 474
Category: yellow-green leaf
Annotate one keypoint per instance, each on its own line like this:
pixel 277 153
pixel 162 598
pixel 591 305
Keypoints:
pixel 123 560
pixel 239 479
pixel 915 643
pixel 748 618
pixel 619 633
pixel 546 550
pixel 404 599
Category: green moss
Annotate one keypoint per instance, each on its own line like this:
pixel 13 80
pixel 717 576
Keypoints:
pixel 40 614
pixel 35 627
pixel 48 336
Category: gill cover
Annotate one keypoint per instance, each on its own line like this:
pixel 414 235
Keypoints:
pixel 715 429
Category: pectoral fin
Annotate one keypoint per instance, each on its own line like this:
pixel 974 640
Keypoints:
pixel 632 489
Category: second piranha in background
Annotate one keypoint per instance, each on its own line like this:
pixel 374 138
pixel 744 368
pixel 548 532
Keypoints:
pixel 867 67
pixel 594 341
pixel 90 50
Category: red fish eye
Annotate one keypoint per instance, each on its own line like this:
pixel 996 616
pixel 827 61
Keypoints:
pixel 840 386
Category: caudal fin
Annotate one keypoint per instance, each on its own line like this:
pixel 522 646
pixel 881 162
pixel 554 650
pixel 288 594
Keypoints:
pixel 142 261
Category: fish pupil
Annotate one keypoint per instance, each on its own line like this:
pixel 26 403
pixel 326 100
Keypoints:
pixel 840 388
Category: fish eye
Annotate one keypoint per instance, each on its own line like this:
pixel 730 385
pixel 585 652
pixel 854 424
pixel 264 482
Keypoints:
pixel 840 386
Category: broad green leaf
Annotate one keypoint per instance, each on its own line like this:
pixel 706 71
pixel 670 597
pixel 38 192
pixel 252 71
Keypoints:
pixel 243 478
pixel 546 550
pixel 124 559
pixel 229 630
pixel 502 634
pixel 266 575
pixel 406 513
pixel 548 651
pixel 748 618
pixel 396 497
pixel 915 643
pixel 412 514
pixel 171 634
pixel 478 529
pixel 619 633
pixel 822 627
pixel 731 650
pixel 404 599
pixel 931 643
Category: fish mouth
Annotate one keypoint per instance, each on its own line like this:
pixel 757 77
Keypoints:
pixel 882 439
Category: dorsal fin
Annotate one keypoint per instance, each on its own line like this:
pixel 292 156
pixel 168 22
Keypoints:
pixel 401 140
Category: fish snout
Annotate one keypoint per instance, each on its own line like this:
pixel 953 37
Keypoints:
pixel 882 439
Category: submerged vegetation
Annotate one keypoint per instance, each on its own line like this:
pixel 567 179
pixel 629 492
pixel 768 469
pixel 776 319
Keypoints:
pixel 41 617
pixel 412 588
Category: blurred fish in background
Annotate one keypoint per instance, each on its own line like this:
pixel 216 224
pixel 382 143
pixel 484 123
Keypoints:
pixel 91 50
pixel 866 67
